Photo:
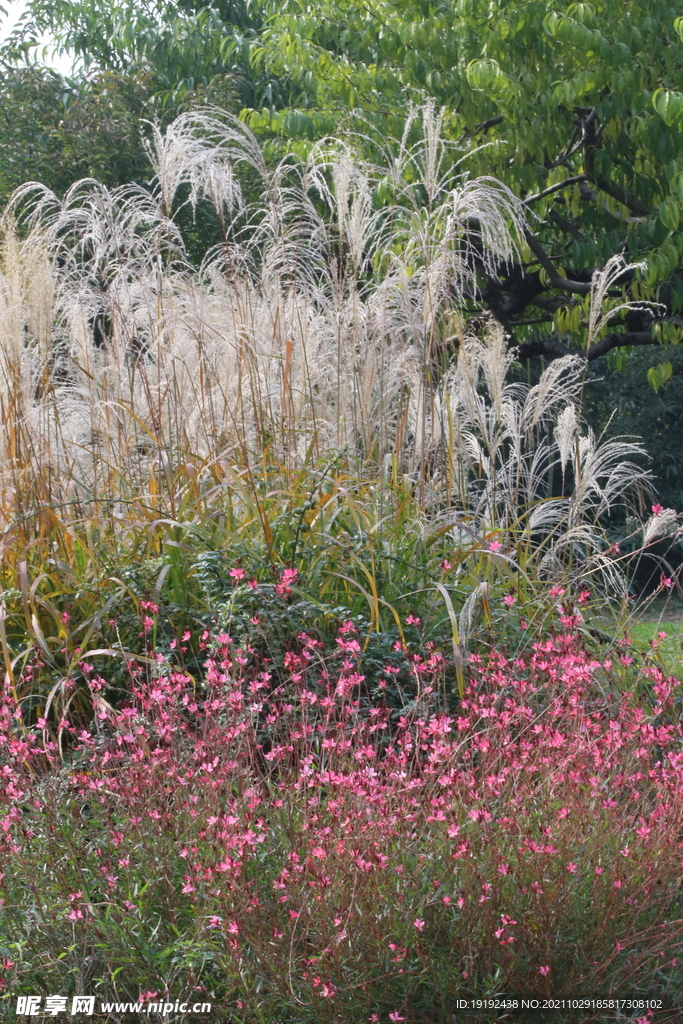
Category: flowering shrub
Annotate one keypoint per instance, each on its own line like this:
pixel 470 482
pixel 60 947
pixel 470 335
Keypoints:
pixel 300 858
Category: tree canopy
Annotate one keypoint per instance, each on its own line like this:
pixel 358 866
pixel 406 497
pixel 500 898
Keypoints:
pixel 574 106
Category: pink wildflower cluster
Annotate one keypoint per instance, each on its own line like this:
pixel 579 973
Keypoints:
pixel 288 578
pixel 304 843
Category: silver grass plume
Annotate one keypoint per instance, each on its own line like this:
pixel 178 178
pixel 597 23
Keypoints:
pixel 311 327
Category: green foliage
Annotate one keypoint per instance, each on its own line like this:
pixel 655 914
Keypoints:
pixel 55 131
pixel 183 45
pixel 581 90
pixel 620 394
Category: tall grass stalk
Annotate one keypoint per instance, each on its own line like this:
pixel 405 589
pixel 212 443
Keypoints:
pixel 141 396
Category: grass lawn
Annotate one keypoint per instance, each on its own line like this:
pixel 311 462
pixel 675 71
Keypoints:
pixel 660 616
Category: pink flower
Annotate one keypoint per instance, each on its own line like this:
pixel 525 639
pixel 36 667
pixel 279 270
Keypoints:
pixel 412 620
pixel 446 565
pixel 289 576
pixel 237 574
pixel 572 868
pixel 509 600
pixel 495 545
pixel 666 582
pixel 657 510
pixel 544 970
pixel 395 1016
pixel 233 928
pixel 419 924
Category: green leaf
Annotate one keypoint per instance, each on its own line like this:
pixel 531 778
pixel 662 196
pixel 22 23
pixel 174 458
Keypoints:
pixel 669 214
pixel 669 105
pixel 483 74
pixel 658 375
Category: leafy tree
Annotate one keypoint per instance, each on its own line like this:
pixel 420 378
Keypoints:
pixel 181 45
pixel 56 131
pixel 573 105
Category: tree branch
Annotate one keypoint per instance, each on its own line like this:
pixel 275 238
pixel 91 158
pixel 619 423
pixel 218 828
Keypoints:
pixel 552 347
pixel 590 141
pixel 555 348
pixel 536 320
pixel 575 143
pixel 610 341
pixel 492 121
pixel 554 188
pixel 588 193
pixel 555 279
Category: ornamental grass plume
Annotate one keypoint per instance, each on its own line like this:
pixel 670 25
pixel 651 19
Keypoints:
pixel 311 323
pixel 328 319
pixel 299 856
pixel 506 441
